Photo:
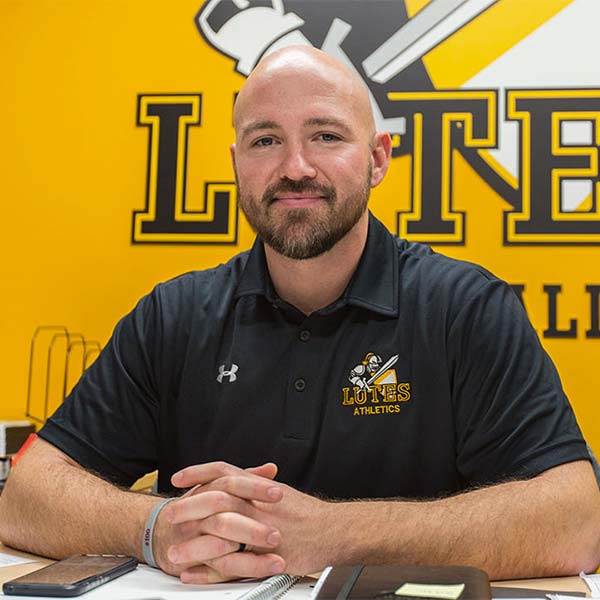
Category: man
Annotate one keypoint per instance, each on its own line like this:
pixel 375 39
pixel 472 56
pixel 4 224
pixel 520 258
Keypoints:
pixel 462 433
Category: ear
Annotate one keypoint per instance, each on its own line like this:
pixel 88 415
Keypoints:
pixel 232 154
pixel 380 155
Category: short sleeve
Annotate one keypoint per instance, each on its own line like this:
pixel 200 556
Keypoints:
pixel 109 422
pixel 512 416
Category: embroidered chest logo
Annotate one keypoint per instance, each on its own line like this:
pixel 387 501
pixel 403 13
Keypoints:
pixel 375 387
pixel 230 373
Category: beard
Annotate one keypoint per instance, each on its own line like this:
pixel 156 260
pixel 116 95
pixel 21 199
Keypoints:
pixel 303 233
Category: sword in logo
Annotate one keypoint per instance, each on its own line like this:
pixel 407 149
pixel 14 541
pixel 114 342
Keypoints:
pixel 429 27
pixel 387 365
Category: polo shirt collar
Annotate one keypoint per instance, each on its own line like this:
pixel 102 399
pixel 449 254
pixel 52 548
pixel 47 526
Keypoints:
pixel 255 279
pixel 373 286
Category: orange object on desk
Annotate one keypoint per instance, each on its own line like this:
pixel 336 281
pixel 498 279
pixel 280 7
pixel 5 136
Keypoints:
pixel 30 439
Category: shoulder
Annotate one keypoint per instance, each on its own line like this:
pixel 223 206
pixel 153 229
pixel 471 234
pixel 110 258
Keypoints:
pixel 441 277
pixel 187 298
pixel 202 288
pixel 420 259
pixel 187 305
pixel 455 293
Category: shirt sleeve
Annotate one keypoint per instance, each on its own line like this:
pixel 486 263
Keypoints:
pixel 512 416
pixel 109 422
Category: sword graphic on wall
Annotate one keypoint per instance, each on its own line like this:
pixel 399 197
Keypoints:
pixel 428 28
pixel 387 365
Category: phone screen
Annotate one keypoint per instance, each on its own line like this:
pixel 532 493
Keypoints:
pixel 73 575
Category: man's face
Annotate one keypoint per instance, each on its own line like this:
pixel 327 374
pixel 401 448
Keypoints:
pixel 303 162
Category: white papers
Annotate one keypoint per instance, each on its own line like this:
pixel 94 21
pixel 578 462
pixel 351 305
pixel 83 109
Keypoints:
pixel 593 582
pixel 8 560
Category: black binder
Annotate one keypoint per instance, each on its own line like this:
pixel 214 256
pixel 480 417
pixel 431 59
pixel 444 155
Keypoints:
pixel 381 582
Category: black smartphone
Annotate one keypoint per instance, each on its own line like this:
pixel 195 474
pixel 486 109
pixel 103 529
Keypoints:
pixel 71 576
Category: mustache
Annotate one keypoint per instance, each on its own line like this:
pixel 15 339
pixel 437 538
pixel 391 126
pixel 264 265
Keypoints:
pixel 298 187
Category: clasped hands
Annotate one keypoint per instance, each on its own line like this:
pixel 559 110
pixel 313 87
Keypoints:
pixel 198 537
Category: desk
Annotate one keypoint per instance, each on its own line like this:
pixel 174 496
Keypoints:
pixel 565 584
pixel 10 572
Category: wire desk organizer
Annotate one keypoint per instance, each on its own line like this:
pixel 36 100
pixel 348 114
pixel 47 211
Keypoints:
pixel 90 350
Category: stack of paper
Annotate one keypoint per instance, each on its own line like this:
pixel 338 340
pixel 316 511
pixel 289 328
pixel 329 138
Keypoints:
pixel 593 582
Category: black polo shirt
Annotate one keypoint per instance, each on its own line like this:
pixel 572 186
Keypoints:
pixel 424 378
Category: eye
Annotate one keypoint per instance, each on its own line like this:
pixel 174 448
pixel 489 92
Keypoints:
pixel 329 137
pixel 264 141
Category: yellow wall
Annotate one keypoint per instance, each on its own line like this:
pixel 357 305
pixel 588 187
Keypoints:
pixel 75 163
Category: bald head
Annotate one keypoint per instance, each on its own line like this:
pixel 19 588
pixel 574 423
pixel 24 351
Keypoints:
pixel 311 71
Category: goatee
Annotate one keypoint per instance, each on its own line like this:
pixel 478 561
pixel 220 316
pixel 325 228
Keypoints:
pixel 304 232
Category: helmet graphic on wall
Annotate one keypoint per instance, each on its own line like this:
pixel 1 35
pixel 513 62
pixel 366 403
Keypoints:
pixel 376 39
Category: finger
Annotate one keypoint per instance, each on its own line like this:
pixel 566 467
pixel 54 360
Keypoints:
pixel 187 530
pixel 202 574
pixel 202 505
pixel 191 491
pixel 248 564
pixel 248 487
pixel 268 470
pixel 204 473
pixel 242 529
pixel 200 549
pixel 207 472
pixel 235 566
pixel 224 533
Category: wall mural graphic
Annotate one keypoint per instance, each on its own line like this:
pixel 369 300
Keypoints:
pixel 117 172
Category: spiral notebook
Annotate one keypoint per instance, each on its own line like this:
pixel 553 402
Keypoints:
pixel 271 588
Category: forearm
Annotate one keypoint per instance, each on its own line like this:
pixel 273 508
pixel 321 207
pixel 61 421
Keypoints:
pixel 52 507
pixel 545 526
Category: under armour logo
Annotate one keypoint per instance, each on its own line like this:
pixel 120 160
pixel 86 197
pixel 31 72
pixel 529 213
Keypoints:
pixel 231 373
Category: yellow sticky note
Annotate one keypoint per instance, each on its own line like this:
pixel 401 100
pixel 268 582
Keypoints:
pixel 424 590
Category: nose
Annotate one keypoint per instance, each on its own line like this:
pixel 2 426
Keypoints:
pixel 297 165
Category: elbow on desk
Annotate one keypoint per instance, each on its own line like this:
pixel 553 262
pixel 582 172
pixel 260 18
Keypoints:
pixel 22 516
pixel 583 542
pixel 589 561
pixel 570 542
pixel 586 560
pixel 9 519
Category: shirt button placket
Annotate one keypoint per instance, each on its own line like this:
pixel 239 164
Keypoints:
pixel 300 383
pixel 300 410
